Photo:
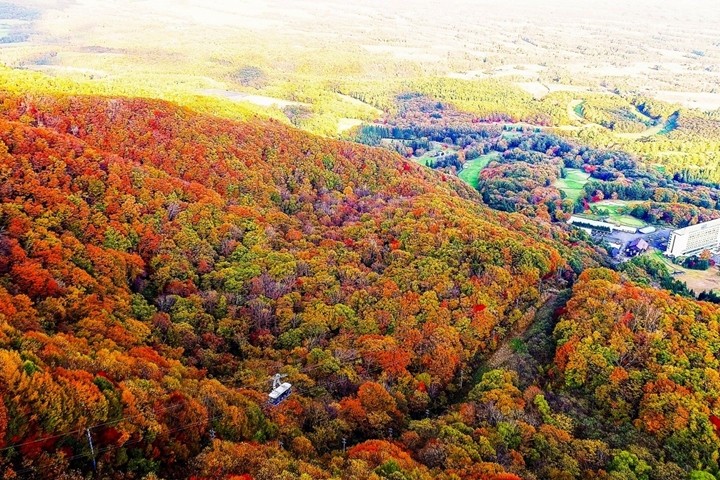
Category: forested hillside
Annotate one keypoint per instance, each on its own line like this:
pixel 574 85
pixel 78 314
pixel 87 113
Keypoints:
pixel 321 240
pixel 159 266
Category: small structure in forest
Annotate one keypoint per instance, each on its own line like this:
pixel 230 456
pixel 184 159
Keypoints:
pixel 280 390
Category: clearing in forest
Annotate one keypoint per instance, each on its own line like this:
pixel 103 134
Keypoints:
pixel 573 182
pixel 471 170
pixel 616 210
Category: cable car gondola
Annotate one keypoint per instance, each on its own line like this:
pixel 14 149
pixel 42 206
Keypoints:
pixel 280 390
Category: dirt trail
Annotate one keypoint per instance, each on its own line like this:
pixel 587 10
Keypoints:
pixel 537 336
pixel 504 355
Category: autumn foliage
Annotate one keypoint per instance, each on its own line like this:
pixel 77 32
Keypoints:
pixel 158 266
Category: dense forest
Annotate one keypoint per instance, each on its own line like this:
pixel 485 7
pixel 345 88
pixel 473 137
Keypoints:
pixel 368 201
pixel 526 162
pixel 160 265
pixel 683 141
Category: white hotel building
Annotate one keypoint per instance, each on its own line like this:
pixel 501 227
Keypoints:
pixel 694 239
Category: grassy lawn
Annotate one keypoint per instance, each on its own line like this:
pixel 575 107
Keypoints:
pixel 423 160
pixel 573 183
pixel 615 204
pixel 627 220
pixel 508 135
pixel 471 169
pixel 430 156
pixel 610 208
pixel 671 266
pixel 347 124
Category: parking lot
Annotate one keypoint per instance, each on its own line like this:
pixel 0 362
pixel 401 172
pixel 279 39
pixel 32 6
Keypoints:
pixel 658 239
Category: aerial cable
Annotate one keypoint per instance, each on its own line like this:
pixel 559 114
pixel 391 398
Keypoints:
pixel 80 430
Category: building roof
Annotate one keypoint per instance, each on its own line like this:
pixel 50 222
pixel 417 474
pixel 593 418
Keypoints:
pixel 639 243
pixel 697 227
pixel 648 229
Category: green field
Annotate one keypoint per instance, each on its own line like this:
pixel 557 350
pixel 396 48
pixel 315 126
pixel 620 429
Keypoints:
pixel 573 183
pixel 507 135
pixel 578 109
pixel 431 156
pixel 471 170
pixel 613 210
pixel 628 220
pixel 614 205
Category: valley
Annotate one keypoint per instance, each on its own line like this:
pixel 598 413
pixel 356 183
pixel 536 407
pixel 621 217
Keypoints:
pixel 527 168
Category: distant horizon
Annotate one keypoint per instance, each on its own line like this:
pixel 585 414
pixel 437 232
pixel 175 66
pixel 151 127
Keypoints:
pixel 587 43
